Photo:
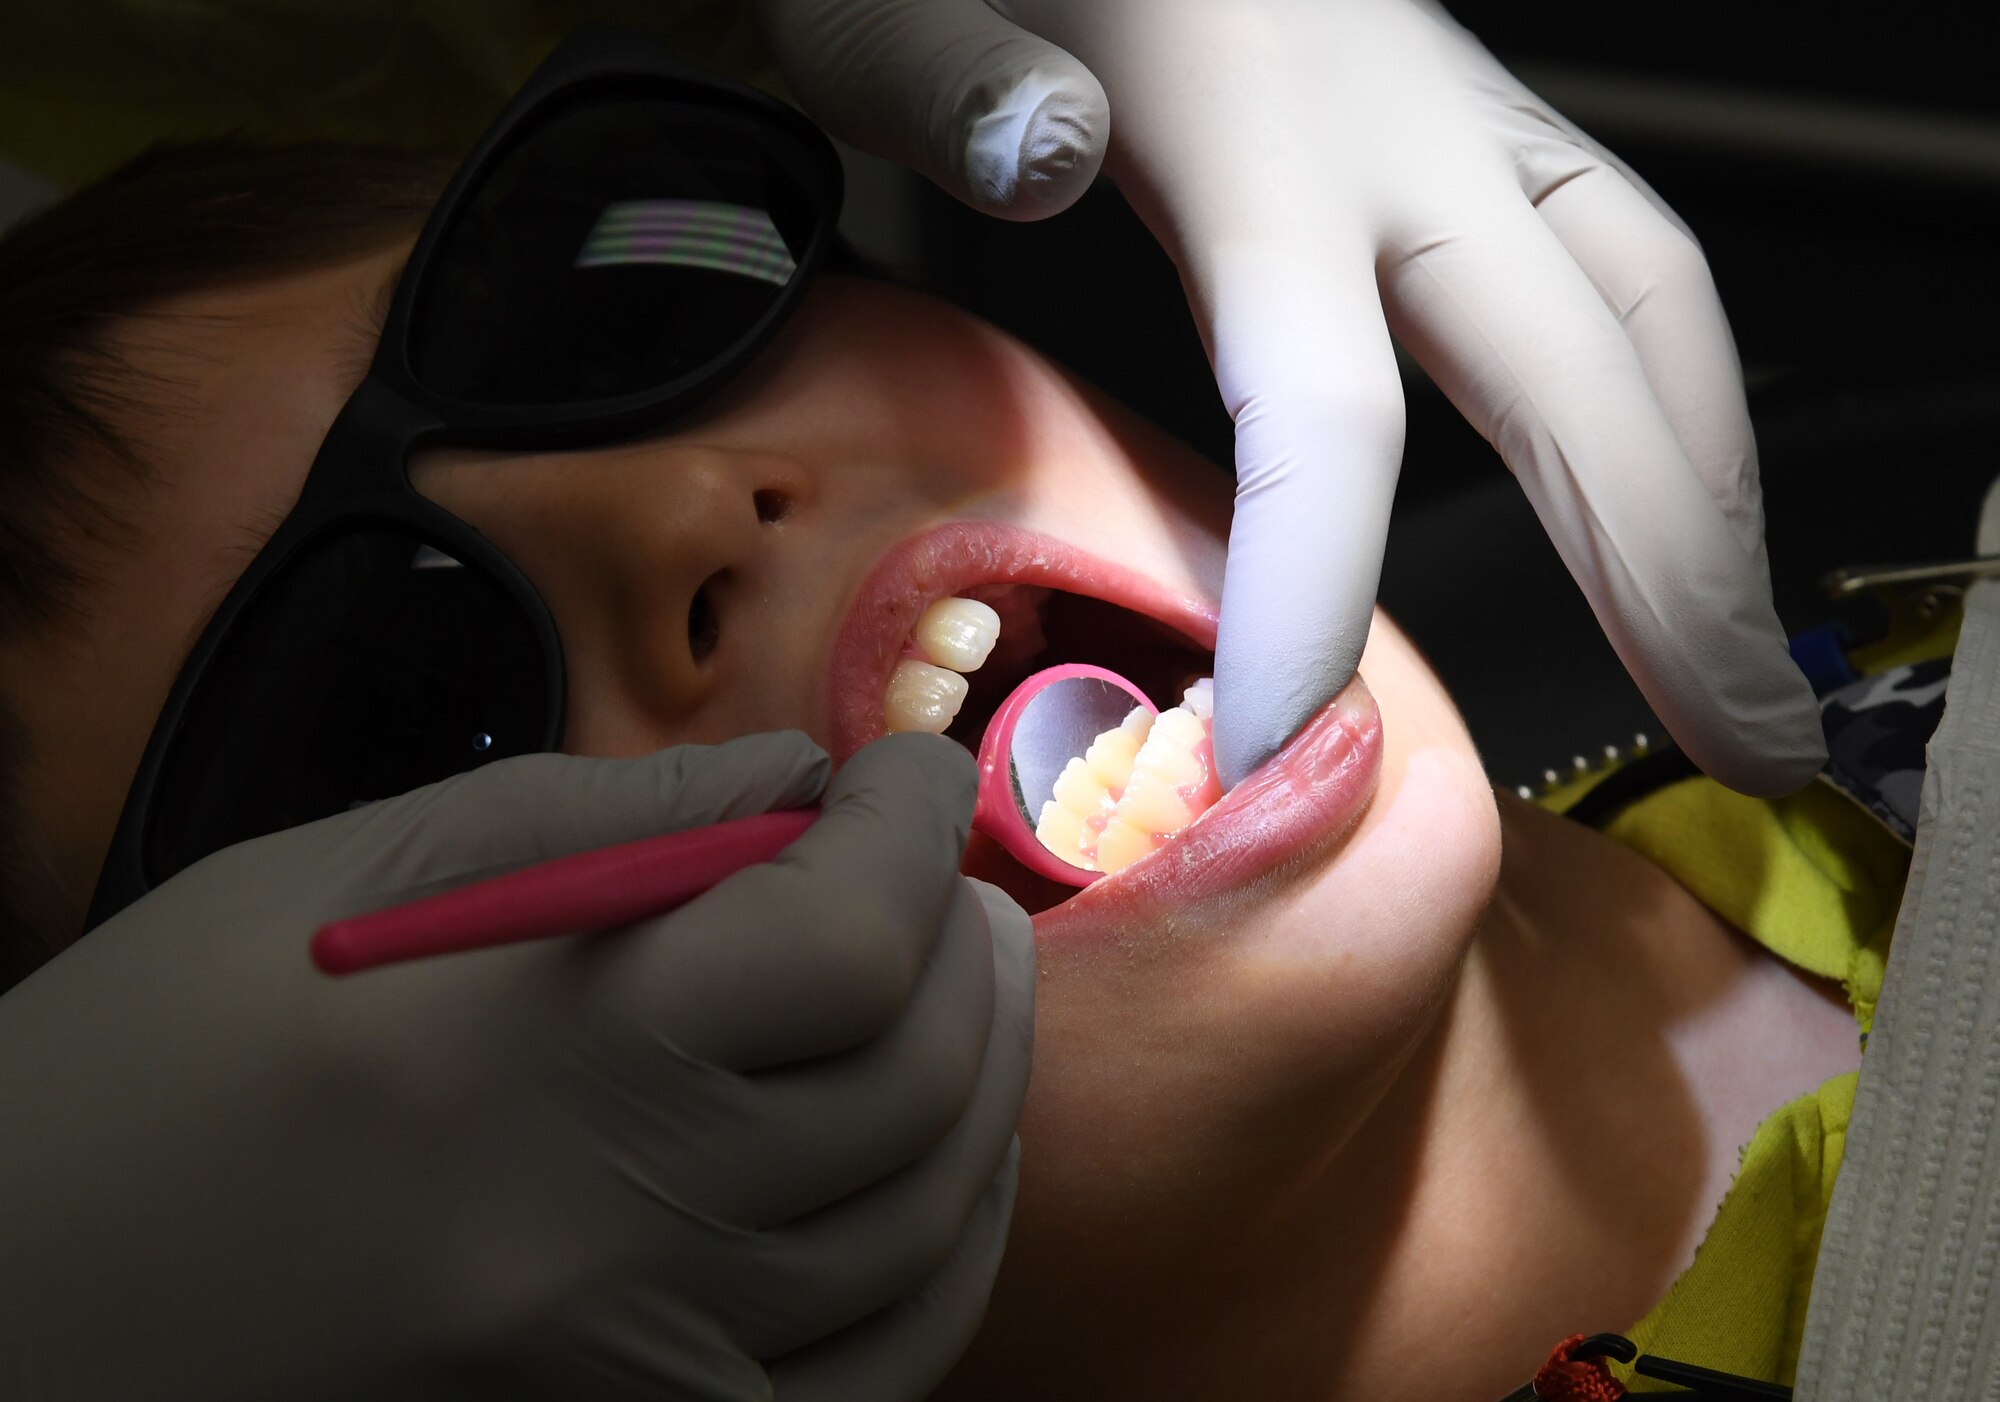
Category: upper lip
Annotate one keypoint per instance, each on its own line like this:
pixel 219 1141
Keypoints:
pixel 947 560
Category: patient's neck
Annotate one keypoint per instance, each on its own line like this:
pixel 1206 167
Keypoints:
pixel 1574 1121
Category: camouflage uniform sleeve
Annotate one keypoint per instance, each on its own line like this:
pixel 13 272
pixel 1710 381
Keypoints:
pixel 85 84
pixel 1877 728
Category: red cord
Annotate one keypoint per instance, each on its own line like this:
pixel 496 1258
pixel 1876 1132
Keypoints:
pixel 1566 1379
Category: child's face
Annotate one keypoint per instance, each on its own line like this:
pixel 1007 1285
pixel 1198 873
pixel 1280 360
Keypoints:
pixel 1201 1054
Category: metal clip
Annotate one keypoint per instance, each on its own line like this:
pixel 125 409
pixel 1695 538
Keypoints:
pixel 1919 598
pixel 1947 574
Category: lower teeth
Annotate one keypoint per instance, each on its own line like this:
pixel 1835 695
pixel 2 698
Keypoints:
pixel 1136 786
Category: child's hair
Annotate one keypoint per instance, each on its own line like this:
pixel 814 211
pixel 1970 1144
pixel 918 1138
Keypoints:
pixel 73 460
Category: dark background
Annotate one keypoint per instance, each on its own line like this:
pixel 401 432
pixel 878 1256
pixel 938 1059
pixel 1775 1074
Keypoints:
pixel 1844 180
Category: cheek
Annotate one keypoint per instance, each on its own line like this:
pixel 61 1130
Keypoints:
pixel 758 701
pixel 763 685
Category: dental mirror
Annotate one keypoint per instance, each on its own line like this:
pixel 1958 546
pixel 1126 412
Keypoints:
pixel 1048 720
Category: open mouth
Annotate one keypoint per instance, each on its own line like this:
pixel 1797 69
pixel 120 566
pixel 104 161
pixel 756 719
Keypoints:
pixel 1042 626
pixel 1056 604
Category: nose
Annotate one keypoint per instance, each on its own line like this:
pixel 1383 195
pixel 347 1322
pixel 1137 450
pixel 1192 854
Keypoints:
pixel 696 543
pixel 656 559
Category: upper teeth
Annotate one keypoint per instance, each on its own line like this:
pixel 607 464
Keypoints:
pixel 952 636
pixel 957 633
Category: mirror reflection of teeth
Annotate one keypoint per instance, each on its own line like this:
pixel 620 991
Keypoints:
pixel 1112 753
pixel 1137 785
pixel 951 637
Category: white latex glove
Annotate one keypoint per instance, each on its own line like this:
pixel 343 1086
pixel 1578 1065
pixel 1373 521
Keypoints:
pixel 1326 173
pixel 760 1147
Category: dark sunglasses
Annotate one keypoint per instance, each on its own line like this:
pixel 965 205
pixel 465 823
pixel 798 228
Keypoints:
pixel 625 236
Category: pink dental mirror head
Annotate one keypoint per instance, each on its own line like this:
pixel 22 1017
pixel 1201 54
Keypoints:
pixel 1048 719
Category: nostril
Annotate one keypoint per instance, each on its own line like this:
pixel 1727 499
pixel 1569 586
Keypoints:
pixel 772 505
pixel 704 624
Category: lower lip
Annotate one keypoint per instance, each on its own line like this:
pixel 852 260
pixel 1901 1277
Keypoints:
pixel 1292 812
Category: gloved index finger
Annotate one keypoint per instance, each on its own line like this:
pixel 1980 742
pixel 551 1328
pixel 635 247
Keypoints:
pixel 1305 365
pixel 817 951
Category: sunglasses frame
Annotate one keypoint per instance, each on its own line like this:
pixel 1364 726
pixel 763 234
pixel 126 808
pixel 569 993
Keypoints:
pixel 359 479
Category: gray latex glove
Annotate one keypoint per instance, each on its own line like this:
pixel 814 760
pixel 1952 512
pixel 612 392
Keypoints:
pixel 776 1124
pixel 1326 173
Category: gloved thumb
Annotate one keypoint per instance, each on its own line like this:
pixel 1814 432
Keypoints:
pixel 516 812
pixel 1004 120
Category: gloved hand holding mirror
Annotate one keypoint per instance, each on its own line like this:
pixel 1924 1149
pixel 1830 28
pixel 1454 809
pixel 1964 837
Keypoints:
pixel 776 1125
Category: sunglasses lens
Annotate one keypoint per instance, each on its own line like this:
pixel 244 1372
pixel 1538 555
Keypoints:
pixel 369 665
pixel 619 247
